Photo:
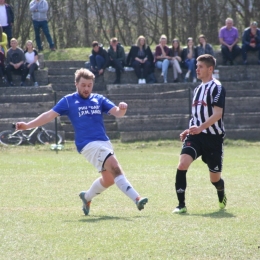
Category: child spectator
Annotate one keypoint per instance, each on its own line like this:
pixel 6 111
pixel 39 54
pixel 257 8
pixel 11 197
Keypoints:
pixel 15 63
pixel 140 58
pixel 31 61
pixel 2 66
pixel 175 53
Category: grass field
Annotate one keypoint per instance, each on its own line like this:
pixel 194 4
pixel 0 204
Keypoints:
pixel 41 215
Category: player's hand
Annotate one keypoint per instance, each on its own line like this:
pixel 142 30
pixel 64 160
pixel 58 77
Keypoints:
pixel 122 106
pixel 20 126
pixel 184 134
pixel 194 130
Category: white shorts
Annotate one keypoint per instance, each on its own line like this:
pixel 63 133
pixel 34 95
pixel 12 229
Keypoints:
pixel 96 153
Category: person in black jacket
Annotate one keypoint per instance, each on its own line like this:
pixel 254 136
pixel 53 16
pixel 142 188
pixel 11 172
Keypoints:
pixel 7 19
pixel 251 41
pixel 140 57
pixel 116 55
pixel 98 59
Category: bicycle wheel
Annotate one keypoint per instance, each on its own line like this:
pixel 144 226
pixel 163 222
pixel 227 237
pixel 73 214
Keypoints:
pixel 7 138
pixel 48 137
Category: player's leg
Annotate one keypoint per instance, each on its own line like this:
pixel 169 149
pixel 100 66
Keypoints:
pixel 181 182
pixel 190 151
pixel 112 166
pixel 214 159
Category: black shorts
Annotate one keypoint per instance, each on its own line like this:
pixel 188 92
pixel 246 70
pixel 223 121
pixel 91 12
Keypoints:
pixel 209 147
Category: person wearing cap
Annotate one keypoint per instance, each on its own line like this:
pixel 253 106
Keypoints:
pixel 228 38
pixel 116 55
pixel 251 41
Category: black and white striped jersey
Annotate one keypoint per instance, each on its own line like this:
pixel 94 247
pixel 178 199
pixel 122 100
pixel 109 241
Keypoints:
pixel 206 96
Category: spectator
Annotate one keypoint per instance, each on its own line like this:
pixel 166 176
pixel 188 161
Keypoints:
pixel 162 58
pixel 188 56
pixel 175 53
pixel 251 41
pixel 15 63
pixel 6 19
pixel 204 47
pixel 140 58
pixel 31 61
pixel 228 38
pixel 2 66
pixel 116 54
pixel 3 41
pixel 98 59
pixel 39 9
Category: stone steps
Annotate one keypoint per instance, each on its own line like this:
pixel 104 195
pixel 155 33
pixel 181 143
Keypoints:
pixel 40 75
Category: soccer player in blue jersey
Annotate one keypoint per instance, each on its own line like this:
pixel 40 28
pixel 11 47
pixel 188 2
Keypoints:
pixel 205 134
pixel 84 110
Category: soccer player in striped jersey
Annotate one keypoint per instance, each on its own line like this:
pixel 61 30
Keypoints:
pixel 205 134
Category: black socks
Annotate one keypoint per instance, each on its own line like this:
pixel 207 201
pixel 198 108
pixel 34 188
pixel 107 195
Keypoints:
pixel 180 186
pixel 220 186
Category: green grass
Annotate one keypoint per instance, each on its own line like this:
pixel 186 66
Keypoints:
pixel 41 215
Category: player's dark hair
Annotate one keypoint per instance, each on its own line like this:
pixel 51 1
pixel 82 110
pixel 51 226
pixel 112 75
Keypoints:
pixel 83 73
pixel 208 59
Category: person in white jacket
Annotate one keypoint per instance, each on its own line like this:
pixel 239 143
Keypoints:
pixel 39 9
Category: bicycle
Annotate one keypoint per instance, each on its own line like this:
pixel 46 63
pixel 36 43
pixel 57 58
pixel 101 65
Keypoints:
pixel 44 136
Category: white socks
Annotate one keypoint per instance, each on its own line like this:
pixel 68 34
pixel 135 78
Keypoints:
pixel 124 185
pixel 95 189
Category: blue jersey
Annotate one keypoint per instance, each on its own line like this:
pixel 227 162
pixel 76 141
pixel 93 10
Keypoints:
pixel 85 116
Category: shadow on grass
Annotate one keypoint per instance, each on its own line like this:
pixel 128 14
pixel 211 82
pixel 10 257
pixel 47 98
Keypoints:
pixel 217 214
pixel 105 218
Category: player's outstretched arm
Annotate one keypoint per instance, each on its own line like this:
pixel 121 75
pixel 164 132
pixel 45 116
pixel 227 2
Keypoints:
pixel 184 134
pixel 42 119
pixel 120 110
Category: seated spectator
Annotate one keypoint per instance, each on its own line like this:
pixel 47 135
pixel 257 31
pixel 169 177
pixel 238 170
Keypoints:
pixel 98 59
pixel 251 41
pixel 3 41
pixel 175 53
pixel 140 58
pixel 162 58
pixel 2 66
pixel 116 55
pixel 204 47
pixel 31 61
pixel 188 57
pixel 15 63
pixel 228 38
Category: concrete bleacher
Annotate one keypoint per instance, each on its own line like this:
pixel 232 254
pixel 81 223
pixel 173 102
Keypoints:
pixel 156 111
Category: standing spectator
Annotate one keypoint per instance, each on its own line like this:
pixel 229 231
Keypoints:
pixel 228 38
pixel 6 19
pixel 2 66
pixel 3 41
pixel 188 56
pixel 85 110
pixel 15 63
pixel 116 54
pixel 205 134
pixel 251 41
pixel 175 53
pixel 140 58
pixel 162 58
pixel 204 47
pixel 98 59
pixel 31 61
pixel 39 9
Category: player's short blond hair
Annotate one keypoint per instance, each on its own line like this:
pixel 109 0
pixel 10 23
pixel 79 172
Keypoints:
pixel 83 73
